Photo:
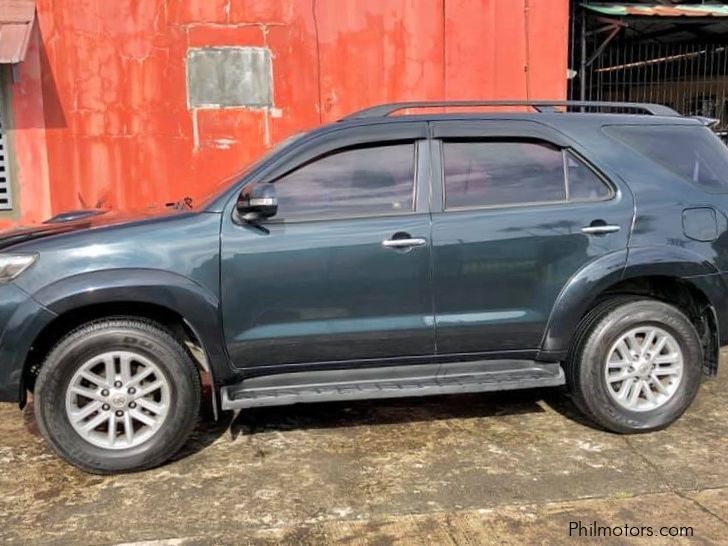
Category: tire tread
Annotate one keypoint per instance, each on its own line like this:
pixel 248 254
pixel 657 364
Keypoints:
pixel 583 376
pixel 66 447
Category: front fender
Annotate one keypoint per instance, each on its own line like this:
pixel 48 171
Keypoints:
pixel 194 302
pixel 21 320
pixel 581 291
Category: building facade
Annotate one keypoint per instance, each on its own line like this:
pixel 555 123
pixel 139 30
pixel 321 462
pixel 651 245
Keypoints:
pixel 132 104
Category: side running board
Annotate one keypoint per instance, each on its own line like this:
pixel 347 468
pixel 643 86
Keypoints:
pixel 390 382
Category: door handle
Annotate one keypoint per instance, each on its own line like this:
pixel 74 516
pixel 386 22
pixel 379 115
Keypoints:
pixel 600 229
pixel 404 243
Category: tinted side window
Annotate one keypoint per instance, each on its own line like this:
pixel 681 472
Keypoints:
pixel 350 183
pixel 694 153
pixel 502 173
pixel 584 184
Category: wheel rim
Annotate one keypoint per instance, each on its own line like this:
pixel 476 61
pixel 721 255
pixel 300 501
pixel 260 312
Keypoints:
pixel 117 400
pixel 644 368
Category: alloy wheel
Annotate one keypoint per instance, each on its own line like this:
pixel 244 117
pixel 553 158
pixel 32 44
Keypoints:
pixel 117 400
pixel 644 368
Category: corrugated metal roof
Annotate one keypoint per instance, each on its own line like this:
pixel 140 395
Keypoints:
pixel 16 22
pixel 659 10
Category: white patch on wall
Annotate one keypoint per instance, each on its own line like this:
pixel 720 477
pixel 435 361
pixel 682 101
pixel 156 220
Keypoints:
pixel 226 77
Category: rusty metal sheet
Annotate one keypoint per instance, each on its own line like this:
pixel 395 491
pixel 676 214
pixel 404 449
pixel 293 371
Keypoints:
pixel 659 10
pixel 108 80
pixel 16 22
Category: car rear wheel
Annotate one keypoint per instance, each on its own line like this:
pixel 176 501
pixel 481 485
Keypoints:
pixel 635 365
pixel 117 395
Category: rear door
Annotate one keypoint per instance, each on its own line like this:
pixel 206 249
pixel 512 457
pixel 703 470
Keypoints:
pixel 521 210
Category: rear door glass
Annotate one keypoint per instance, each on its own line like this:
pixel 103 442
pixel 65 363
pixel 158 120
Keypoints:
pixel 508 173
pixel 584 183
pixel 502 173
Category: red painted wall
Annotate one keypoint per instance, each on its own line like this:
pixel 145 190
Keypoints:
pixel 101 110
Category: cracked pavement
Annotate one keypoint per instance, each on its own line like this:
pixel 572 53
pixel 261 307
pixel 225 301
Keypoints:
pixel 510 468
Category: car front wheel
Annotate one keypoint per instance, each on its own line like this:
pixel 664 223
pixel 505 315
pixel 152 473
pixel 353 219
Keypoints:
pixel 117 395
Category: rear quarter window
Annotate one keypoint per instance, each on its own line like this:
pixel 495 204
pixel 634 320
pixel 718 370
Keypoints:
pixel 691 152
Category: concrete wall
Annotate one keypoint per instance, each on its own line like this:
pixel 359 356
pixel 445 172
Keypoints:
pixel 103 116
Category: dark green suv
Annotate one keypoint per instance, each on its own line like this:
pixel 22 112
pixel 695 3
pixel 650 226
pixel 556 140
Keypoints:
pixel 385 256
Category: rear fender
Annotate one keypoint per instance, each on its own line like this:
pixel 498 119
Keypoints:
pixel 583 289
pixel 575 299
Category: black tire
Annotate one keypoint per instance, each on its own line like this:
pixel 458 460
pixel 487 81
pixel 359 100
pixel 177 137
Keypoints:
pixel 598 331
pixel 145 338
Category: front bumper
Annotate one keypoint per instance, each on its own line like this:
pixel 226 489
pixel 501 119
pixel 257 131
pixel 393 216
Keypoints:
pixel 21 320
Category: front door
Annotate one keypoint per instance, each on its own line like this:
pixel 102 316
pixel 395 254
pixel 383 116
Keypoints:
pixel 341 274
pixel 521 212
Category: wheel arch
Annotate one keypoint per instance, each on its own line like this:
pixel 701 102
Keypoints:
pixel 675 276
pixel 186 308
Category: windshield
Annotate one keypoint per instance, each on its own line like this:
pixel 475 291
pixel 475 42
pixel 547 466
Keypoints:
pixel 201 201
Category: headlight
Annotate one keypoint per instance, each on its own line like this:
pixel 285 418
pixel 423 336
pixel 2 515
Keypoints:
pixel 12 265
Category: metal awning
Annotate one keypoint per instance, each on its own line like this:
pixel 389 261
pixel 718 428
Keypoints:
pixel 658 10
pixel 685 23
pixel 16 23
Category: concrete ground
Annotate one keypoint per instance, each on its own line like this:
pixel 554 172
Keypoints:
pixel 511 468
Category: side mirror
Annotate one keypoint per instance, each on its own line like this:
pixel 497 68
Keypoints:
pixel 257 203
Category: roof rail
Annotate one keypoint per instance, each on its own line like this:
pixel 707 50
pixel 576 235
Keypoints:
pixel 384 110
